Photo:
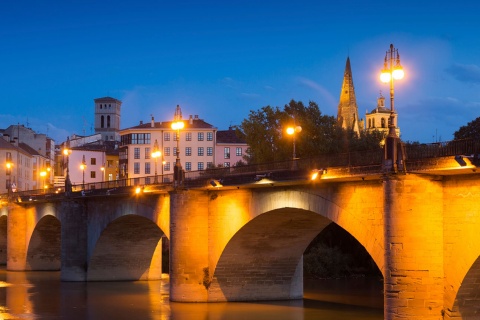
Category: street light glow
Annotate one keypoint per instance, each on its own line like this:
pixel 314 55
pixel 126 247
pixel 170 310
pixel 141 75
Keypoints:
pixel 178 125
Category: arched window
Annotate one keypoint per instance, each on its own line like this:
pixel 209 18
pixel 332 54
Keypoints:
pixel 369 123
pixel 102 122
pixel 383 122
pixel 108 121
pixel 373 122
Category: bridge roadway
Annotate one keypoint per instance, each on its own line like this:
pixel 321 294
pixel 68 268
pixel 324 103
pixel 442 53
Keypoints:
pixel 242 237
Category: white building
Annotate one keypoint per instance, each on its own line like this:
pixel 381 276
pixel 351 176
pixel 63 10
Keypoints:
pixel 378 119
pixel 196 144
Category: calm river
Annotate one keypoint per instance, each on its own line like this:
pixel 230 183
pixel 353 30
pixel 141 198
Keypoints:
pixel 41 295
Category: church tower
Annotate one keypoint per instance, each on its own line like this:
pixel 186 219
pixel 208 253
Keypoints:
pixel 107 118
pixel 347 115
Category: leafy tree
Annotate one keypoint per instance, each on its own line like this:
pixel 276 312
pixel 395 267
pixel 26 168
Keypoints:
pixel 265 133
pixel 470 131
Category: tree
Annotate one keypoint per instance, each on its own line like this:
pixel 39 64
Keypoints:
pixel 470 131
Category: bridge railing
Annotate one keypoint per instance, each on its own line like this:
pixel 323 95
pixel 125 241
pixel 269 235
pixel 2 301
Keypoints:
pixel 470 147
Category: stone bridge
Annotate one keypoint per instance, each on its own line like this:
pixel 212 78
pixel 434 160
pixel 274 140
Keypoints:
pixel 245 241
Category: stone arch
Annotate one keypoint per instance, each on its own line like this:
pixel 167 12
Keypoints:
pixel 129 248
pixel 263 260
pixel 3 240
pixel 44 248
pixel 467 300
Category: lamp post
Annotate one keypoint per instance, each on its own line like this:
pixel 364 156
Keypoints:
pixel 43 174
pixel 392 70
pixel 177 170
pixel 68 184
pixel 102 168
pixel 8 168
pixel 155 154
pixel 83 166
pixel 292 131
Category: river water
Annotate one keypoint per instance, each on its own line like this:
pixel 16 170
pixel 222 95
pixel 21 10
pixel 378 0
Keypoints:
pixel 41 295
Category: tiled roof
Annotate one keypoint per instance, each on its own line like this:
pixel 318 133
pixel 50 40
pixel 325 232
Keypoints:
pixel 229 136
pixel 195 124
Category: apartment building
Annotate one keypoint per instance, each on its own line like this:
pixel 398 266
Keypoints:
pixel 230 148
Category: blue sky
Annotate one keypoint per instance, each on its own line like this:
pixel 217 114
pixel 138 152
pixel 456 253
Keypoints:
pixel 221 59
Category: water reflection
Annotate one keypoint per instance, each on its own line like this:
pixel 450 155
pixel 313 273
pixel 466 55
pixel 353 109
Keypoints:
pixel 41 295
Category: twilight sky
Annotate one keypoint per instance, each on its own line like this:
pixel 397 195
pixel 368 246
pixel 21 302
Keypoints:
pixel 221 59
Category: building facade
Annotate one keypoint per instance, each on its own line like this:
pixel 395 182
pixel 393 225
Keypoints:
pixel 196 144
pixel 107 118
pixel 378 119
pixel 230 148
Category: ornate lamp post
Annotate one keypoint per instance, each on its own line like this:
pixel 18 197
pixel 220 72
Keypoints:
pixel 177 170
pixel 293 131
pixel 43 174
pixel 392 70
pixel 68 184
pixel 8 168
pixel 155 154
pixel 83 166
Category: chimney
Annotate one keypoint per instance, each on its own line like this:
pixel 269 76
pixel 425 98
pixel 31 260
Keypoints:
pixel 190 119
pixel 196 117
pixel 153 122
pixel 141 122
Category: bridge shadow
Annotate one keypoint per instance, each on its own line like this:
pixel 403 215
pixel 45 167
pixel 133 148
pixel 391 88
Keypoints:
pixel 467 302
pixel 129 248
pixel 44 249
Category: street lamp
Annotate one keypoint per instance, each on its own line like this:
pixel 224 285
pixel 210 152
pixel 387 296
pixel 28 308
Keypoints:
pixel 392 70
pixel 102 168
pixel 8 167
pixel 43 174
pixel 83 166
pixel 292 131
pixel 177 170
pixel 66 152
pixel 155 154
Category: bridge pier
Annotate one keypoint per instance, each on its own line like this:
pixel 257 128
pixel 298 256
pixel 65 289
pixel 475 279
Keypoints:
pixel 74 241
pixel 189 265
pixel 414 275
pixel 17 242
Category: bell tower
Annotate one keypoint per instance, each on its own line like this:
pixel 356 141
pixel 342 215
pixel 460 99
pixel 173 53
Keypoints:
pixel 107 118
pixel 347 115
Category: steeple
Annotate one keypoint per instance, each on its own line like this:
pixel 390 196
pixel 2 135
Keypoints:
pixel 178 113
pixel 347 115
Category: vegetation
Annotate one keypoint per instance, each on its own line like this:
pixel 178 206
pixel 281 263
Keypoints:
pixel 335 253
pixel 470 131
pixel 265 132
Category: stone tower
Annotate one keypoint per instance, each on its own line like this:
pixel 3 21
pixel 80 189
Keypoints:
pixel 347 115
pixel 107 118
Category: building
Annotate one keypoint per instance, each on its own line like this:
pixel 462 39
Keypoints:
pixel 18 167
pixel 197 140
pixel 347 114
pixel 230 149
pixel 378 118
pixel 107 118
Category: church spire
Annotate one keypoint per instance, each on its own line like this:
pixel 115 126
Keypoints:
pixel 347 115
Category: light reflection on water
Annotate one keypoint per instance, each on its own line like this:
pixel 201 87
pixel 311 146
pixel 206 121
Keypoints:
pixel 41 295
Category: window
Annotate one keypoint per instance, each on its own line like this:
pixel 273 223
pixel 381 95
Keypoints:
pixel 383 122
pixel 200 136
pixel 188 136
pixel 102 120
pixel 209 151
pixel 166 151
pixel 226 164
pixel 166 136
pixel 92 174
pixel 200 166
pixel 175 151
pixel 108 121
pixel 200 151
pixel 175 134
pixel 135 138
pixel 147 167
pixel 147 180
pixel 238 152
pixel 136 153
pixel 166 167
pixel 209 165
pixel 147 153
pixel 93 161
pixel 136 167
pixel 226 153
pixel 209 136
pixel 188 151
pixel 110 163
pixel 188 166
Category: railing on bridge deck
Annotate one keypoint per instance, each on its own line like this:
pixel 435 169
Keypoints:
pixel 352 163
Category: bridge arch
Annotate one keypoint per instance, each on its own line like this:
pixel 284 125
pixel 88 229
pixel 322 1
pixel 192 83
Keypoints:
pixel 264 256
pixel 129 248
pixel 467 301
pixel 44 248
